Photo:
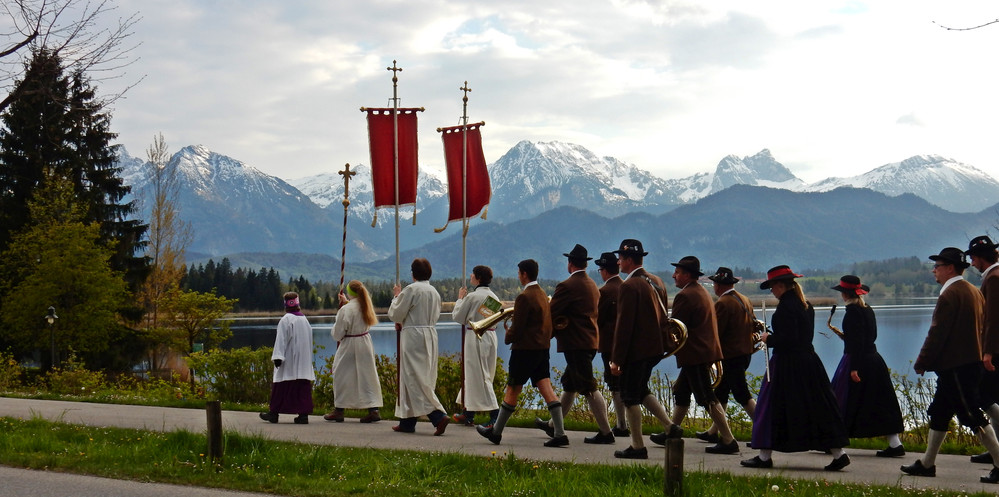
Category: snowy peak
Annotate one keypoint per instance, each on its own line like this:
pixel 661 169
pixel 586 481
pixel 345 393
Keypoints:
pixel 760 169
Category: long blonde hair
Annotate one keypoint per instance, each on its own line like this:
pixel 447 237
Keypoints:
pixel 364 301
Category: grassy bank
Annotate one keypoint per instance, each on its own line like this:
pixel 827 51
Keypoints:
pixel 255 464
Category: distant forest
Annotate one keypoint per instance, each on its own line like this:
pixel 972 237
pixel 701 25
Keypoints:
pixel 261 290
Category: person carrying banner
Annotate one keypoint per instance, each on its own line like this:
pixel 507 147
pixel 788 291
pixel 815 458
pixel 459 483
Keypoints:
pixel 480 351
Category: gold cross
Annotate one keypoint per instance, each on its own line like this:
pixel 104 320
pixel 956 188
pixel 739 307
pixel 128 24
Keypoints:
pixel 395 72
pixel 346 173
pixel 465 89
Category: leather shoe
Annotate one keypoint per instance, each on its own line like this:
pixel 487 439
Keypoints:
pixel 708 437
pixel 441 426
pixel 838 463
pixel 544 426
pixel 561 441
pixel 463 419
pixel 632 453
pixel 301 419
pixel 891 452
pixel 984 458
pixel 917 469
pixel 620 432
pixel 673 432
pixel 334 416
pixel 488 433
pixel 992 477
pixel 371 417
pixel 722 448
pixel 756 462
pixel 271 417
pixel 600 438
pixel 400 429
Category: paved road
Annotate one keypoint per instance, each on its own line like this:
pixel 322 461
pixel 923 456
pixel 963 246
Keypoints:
pixel 953 472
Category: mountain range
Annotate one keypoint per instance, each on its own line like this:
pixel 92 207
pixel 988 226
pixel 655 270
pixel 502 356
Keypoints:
pixel 750 212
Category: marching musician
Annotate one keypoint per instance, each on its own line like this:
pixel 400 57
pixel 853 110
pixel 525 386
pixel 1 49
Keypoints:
pixel 796 410
pixel 693 307
pixel 734 313
pixel 529 337
pixel 479 355
pixel 606 321
pixel 417 308
pixel 638 344
pixel 953 350
pixel 574 325
pixel 985 259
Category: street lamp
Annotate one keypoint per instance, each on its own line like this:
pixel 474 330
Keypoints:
pixel 50 318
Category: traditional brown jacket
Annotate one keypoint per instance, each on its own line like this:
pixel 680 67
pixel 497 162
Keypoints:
pixel 953 339
pixel 531 325
pixel 575 301
pixel 607 313
pixel 693 306
pixel 637 335
pixel 990 330
pixel 735 325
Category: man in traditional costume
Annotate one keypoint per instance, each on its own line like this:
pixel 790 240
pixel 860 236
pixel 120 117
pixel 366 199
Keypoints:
pixel 529 337
pixel 606 321
pixel 953 350
pixel 416 309
pixel 574 325
pixel 479 354
pixel 985 259
pixel 291 387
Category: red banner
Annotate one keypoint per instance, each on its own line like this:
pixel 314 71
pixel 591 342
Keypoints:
pixel 381 138
pixel 476 176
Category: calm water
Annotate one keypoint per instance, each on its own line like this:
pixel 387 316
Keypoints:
pixel 901 330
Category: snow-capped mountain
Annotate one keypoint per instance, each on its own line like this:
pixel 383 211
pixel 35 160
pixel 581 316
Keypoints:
pixel 943 182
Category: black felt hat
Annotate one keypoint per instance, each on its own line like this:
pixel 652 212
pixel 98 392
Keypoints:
pixel 778 273
pixel 724 276
pixel 689 264
pixel 607 259
pixel 851 284
pixel 578 252
pixel 951 255
pixel 631 246
pixel 980 245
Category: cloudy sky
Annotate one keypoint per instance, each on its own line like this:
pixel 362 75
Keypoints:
pixel 832 88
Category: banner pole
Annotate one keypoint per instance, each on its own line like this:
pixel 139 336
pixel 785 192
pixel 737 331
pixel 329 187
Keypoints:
pixel 346 173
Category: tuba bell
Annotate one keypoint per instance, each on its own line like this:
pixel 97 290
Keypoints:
pixel 674 336
pixel 715 373
pixel 480 326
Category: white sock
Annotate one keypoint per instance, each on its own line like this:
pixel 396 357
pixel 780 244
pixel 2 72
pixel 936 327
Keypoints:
pixel 765 454
pixel 837 452
pixel 893 440
pixel 934 440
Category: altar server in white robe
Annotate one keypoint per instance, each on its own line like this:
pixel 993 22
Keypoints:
pixel 479 351
pixel 291 387
pixel 355 376
pixel 415 310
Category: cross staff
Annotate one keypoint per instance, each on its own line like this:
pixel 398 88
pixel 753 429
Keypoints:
pixel 346 173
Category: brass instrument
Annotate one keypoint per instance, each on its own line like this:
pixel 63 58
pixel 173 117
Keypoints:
pixel 759 328
pixel 489 322
pixel 715 373
pixel 675 336
pixel 766 350
pixel 835 330
pixel 560 323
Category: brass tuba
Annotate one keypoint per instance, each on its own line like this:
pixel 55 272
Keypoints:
pixel 715 372
pixel 674 336
pixel 480 326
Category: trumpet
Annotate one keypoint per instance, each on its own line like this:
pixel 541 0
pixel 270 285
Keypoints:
pixel 479 327
pixel 674 336
pixel 835 330
pixel 715 373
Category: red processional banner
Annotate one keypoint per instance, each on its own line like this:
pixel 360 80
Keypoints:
pixel 477 191
pixel 381 138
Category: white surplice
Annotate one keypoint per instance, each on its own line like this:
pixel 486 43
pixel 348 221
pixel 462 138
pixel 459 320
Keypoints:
pixel 479 353
pixel 417 307
pixel 293 345
pixel 355 376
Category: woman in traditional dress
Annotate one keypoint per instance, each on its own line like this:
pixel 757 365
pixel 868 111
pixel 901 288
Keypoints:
pixel 479 354
pixel 796 410
pixel 862 382
pixel 291 389
pixel 355 377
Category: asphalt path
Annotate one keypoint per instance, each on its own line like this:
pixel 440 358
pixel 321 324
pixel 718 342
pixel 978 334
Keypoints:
pixel 953 472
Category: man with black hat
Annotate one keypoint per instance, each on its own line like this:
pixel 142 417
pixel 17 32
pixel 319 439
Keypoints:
pixel 736 325
pixel 574 326
pixel 638 344
pixel 693 307
pixel 985 259
pixel 606 321
pixel 953 350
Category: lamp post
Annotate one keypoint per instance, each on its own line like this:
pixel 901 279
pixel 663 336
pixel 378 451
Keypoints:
pixel 50 318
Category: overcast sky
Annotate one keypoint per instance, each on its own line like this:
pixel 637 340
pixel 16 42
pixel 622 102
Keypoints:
pixel 832 88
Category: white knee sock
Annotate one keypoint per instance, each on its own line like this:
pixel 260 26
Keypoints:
pixel 934 440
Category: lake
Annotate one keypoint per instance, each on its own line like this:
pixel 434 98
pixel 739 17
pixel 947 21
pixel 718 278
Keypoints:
pixel 901 330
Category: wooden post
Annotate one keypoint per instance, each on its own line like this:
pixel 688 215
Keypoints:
pixel 213 408
pixel 673 484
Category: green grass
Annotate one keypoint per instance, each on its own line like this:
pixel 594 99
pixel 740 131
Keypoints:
pixel 253 463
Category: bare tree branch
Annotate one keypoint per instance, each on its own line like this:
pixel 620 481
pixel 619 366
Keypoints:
pixel 966 29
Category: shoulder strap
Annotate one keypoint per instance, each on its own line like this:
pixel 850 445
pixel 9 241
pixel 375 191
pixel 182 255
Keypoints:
pixel 656 290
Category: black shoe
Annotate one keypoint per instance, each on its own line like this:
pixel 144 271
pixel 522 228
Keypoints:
pixel 708 437
pixel 441 425
pixel 562 441
pixel 756 462
pixel 302 419
pixel 620 432
pixel 673 432
pixel 403 429
pixel 992 477
pixel 720 448
pixel 488 433
pixel 270 417
pixel 838 463
pixel 544 426
pixel 917 469
pixel 600 438
pixel 984 458
pixel 632 453
pixel 894 452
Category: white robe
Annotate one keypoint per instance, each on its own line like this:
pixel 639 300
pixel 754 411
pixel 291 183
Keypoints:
pixel 355 377
pixel 417 307
pixel 480 353
pixel 293 345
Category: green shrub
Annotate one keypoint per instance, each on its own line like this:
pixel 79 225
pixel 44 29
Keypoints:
pixel 73 378
pixel 10 372
pixel 238 375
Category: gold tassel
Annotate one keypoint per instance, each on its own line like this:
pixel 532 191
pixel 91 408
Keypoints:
pixel 442 228
pixel 374 222
pixel 414 215
pixel 485 210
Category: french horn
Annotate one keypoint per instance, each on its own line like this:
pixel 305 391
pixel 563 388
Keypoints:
pixel 674 336
pixel 479 327
pixel 715 373
pixel 759 328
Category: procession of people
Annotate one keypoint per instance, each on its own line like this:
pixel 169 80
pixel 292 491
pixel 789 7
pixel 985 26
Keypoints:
pixel 798 407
